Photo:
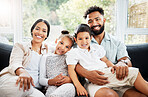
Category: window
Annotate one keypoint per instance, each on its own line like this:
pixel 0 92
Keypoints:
pixel 132 21
pixel 10 21
pixel 63 14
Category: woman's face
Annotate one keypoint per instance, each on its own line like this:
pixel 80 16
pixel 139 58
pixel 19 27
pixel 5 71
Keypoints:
pixel 63 45
pixel 40 32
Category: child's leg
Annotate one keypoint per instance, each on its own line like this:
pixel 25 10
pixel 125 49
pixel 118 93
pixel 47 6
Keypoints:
pixel 134 78
pixel 65 90
pixel 127 81
pixel 50 90
pixel 141 85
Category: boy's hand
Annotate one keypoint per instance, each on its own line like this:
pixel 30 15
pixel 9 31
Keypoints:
pixel 81 91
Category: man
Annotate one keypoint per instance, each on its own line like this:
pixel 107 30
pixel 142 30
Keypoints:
pixel 115 52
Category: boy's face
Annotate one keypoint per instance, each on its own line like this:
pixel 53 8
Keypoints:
pixel 63 45
pixel 83 40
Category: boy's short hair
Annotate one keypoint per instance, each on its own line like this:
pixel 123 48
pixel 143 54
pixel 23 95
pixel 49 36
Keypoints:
pixel 82 28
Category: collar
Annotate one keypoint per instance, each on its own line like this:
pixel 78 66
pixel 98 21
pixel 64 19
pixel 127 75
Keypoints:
pixel 106 38
pixel 43 47
pixel 85 50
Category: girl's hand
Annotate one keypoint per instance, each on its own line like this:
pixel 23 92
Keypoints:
pixel 56 81
pixel 81 91
pixel 65 79
pixel 25 79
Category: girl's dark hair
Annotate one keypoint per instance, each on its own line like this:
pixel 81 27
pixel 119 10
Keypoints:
pixel 65 33
pixel 44 21
pixel 93 9
pixel 82 28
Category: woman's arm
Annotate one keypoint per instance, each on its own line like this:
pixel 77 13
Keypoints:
pixel 16 58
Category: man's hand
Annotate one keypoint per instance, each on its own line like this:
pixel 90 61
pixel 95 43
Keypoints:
pixel 96 77
pixel 121 70
pixel 93 76
pixel 26 80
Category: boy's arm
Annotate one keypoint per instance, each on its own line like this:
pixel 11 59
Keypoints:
pixel 108 63
pixel 80 89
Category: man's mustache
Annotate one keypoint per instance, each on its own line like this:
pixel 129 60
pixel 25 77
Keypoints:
pixel 95 26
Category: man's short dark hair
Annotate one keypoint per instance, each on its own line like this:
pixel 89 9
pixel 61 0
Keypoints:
pixel 93 9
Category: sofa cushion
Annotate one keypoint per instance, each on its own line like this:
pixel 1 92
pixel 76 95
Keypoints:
pixel 139 57
pixel 5 51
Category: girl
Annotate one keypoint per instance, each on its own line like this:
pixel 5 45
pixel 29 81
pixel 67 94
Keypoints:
pixel 92 57
pixel 53 68
pixel 21 76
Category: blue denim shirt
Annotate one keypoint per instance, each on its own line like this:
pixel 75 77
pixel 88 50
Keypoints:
pixel 115 49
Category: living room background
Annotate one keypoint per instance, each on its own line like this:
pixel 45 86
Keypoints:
pixel 126 19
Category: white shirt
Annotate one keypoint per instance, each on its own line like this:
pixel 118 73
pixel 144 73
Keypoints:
pixel 33 67
pixel 90 60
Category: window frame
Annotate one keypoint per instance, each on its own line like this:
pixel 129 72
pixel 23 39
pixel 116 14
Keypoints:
pixel 122 22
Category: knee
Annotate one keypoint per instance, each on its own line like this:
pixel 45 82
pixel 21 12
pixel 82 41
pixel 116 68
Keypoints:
pixel 106 92
pixel 134 95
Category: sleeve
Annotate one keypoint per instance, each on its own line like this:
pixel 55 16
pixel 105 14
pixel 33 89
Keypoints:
pixel 71 58
pixel 16 58
pixel 42 74
pixel 121 51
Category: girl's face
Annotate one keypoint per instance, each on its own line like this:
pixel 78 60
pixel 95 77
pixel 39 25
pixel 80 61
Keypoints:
pixel 40 32
pixel 83 40
pixel 63 45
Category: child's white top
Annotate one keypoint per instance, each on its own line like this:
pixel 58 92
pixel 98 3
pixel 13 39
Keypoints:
pixel 90 60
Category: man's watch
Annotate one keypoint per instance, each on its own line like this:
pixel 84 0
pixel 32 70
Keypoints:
pixel 124 61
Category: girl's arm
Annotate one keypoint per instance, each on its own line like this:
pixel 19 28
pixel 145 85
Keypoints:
pixel 42 75
pixel 108 63
pixel 80 89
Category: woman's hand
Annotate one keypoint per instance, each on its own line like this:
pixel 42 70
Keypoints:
pixel 24 79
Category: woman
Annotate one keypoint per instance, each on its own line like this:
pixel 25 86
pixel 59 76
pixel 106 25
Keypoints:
pixel 21 76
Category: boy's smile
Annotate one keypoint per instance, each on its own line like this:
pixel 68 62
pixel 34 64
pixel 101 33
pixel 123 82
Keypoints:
pixel 83 40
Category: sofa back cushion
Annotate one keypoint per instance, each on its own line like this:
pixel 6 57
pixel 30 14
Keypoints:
pixel 5 51
pixel 139 57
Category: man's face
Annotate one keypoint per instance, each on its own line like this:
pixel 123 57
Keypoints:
pixel 96 22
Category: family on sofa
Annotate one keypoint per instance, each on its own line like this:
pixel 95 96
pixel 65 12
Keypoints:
pixel 30 64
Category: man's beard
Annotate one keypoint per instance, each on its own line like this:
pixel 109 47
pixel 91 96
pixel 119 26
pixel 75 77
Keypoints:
pixel 97 32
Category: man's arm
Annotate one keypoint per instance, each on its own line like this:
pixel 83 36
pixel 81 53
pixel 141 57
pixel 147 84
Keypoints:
pixel 93 76
pixel 126 61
